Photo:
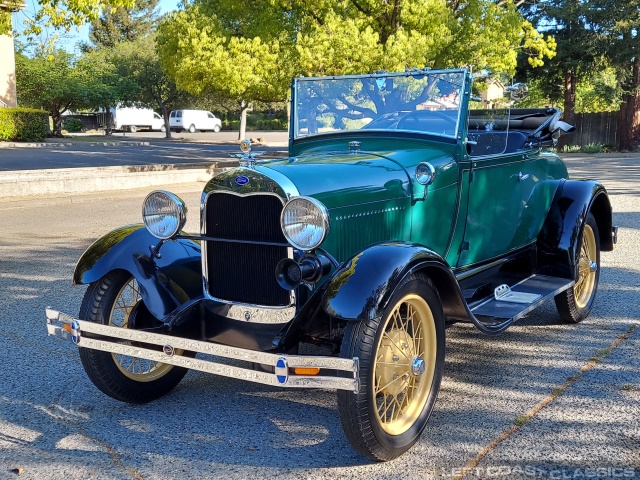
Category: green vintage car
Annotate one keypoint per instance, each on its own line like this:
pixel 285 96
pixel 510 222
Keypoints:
pixel 398 213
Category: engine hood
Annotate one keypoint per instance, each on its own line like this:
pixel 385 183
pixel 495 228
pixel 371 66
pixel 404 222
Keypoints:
pixel 338 179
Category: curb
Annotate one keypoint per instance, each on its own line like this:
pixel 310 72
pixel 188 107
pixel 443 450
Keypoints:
pixel 123 143
pixel 25 183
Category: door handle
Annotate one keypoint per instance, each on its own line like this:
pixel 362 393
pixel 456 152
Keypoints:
pixel 520 176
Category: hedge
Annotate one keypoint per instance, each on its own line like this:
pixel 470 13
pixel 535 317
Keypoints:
pixel 260 125
pixel 23 125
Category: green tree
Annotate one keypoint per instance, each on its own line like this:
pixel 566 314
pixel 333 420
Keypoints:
pixel 67 14
pixel 577 54
pixel 617 25
pixel 139 62
pixel 57 83
pixel 203 56
pixel 250 50
pixel 124 24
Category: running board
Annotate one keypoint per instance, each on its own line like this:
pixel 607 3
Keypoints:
pixel 511 303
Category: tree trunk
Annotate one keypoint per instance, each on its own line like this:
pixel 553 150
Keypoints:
pixel 243 120
pixel 629 116
pixel 570 82
pixel 165 117
pixel 57 124
pixel 569 113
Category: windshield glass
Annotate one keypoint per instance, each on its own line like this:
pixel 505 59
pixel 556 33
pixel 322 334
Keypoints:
pixel 416 101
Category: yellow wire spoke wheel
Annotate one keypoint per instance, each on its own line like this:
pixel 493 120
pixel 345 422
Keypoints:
pixel 404 365
pixel 574 304
pixel 138 369
pixel 587 268
pixel 401 357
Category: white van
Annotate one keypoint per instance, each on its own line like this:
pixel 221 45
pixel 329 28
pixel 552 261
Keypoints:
pixel 134 119
pixel 194 120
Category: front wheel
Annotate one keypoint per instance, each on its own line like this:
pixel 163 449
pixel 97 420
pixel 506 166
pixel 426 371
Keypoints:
pixel 163 129
pixel 216 128
pixel 574 304
pixel 111 301
pixel 401 356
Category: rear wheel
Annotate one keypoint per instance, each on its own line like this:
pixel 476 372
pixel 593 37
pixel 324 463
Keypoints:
pixel 401 357
pixel 574 304
pixel 133 128
pixel 111 301
pixel 192 129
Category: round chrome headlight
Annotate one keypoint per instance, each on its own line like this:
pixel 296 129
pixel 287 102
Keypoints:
pixel 164 214
pixel 305 222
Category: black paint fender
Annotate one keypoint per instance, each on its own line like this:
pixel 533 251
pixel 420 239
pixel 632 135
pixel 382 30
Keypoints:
pixel 558 239
pixel 165 283
pixel 362 287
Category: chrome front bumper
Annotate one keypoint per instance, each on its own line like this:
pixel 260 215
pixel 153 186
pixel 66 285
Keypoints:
pixel 117 340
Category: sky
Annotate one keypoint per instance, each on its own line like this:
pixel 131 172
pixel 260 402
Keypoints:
pixel 70 40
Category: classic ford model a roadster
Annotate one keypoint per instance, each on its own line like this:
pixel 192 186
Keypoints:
pixel 399 212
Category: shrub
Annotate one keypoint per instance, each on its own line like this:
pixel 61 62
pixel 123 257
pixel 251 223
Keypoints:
pixel 272 124
pixel 571 149
pixel 23 124
pixel 231 125
pixel 593 148
pixel 73 125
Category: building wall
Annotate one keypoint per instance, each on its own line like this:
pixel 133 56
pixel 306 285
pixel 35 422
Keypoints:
pixel 7 71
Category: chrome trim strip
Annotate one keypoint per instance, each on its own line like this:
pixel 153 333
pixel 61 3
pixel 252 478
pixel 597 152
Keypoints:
pixel 285 183
pixel 250 314
pixel 500 258
pixel 205 270
pixel 473 271
pixel 208 366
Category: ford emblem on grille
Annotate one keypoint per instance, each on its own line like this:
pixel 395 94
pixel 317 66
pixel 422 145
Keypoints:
pixel 282 370
pixel 242 180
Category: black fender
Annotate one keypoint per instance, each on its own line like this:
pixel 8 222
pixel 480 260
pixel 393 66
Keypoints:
pixel 362 287
pixel 165 282
pixel 558 239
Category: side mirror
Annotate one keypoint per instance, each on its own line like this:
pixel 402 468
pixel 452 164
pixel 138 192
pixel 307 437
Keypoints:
pixel 517 91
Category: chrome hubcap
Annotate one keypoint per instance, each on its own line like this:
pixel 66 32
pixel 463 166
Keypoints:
pixel 418 366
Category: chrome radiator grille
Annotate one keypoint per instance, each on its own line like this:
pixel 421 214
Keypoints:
pixel 241 262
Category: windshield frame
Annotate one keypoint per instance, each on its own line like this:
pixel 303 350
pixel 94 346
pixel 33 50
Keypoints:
pixel 461 88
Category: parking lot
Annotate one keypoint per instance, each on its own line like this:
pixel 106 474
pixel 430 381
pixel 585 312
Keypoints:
pixel 543 400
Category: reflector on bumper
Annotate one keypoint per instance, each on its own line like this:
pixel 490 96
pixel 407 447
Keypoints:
pixel 109 339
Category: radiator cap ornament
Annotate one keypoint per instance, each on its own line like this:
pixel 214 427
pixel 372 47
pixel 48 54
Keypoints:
pixel 247 159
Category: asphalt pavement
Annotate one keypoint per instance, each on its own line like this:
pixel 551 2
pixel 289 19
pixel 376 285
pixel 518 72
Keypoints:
pixel 142 148
pixel 543 400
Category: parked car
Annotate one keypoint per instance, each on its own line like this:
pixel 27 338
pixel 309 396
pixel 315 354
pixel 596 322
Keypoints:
pixel 134 119
pixel 194 120
pixel 400 212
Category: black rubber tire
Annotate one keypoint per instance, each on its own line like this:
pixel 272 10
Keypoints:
pixel 100 366
pixel 216 129
pixel 163 129
pixel 133 128
pixel 357 412
pixel 192 129
pixel 566 304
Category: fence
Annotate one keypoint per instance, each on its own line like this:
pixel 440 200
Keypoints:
pixel 599 127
